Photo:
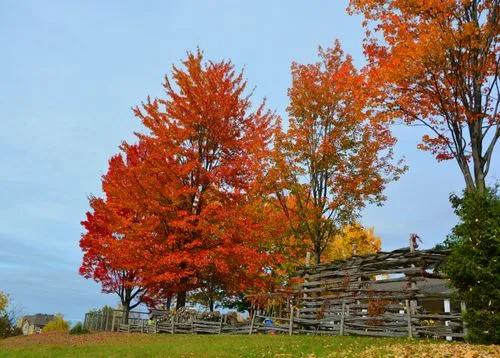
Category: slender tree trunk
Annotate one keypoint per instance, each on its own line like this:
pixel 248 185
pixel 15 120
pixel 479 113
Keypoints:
pixel 126 301
pixel 464 167
pixel 126 312
pixel 168 303
pixel 211 304
pixel 475 133
pixel 317 251
pixel 181 300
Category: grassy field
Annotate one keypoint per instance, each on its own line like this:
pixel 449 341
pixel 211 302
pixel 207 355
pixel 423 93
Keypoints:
pixel 138 345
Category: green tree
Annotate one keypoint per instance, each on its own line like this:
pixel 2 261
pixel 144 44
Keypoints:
pixel 473 265
pixel 7 318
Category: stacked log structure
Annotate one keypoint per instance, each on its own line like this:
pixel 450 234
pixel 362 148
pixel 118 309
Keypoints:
pixel 374 295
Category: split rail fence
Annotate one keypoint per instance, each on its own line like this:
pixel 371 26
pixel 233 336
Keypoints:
pixel 388 294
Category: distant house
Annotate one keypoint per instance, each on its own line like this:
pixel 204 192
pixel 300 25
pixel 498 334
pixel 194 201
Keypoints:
pixel 34 323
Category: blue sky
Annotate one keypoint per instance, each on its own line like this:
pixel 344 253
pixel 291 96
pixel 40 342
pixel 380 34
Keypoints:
pixel 71 71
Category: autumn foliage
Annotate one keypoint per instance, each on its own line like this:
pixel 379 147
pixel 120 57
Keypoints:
pixel 215 199
pixel 335 156
pixel 174 209
pixel 435 64
pixel 353 240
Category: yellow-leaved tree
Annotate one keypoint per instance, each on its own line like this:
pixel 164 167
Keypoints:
pixel 354 239
pixel 4 301
pixel 57 324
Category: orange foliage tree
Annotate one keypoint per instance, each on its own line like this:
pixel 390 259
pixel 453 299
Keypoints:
pixel 435 64
pixel 353 240
pixel 190 179
pixel 335 156
pixel 118 239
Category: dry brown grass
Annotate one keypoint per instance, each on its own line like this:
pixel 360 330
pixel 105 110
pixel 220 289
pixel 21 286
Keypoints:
pixel 65 339
pixel 435 350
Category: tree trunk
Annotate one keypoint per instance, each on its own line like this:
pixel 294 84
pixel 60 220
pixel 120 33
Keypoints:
pixel 126 312
pixel 211 304
pixel 168 303
pixel 475 133
pixel 317 251
pixel 181 300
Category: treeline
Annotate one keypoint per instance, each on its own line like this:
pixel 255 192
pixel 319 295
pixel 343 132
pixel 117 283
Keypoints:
pixel 216 199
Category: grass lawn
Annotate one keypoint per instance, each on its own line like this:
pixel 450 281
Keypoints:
pixel 141 345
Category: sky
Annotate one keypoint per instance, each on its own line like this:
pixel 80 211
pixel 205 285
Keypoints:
pixel 70 73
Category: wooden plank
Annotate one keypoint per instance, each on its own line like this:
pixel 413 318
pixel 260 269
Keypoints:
pixel 358 332
pixel 408 318
pixel 451 316
pixel 342 319
pixel 440 334
pixel 253 321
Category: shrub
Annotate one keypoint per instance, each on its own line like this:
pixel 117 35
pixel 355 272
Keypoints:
pixel 7 326
pixel 473 266
pixel 57 324
pixel 7 319
pixel 78 329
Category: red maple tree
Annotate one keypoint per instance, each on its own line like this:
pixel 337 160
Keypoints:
pixel 188 178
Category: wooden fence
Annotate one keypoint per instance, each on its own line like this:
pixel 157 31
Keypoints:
pixel 388 294
pixel 393 294
pixel 98 321
pixel 350 320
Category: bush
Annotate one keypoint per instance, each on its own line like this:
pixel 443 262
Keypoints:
pixel 7 326
pixel 7 319
pixel 57 324
pixel 78 329
pixel 473 266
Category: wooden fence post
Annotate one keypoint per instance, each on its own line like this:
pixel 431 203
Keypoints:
pixel 108 322
pixel 142 325
pixel 290 326
pixel 342 319
pixel 172 329
pixel 408 318
pixel 447 309
pixel 463 309
pixel 220 324
pixel 253 321
pixel 113 322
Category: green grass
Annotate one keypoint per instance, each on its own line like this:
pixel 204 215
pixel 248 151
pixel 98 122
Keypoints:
pixel 59 344
pixel 206 346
